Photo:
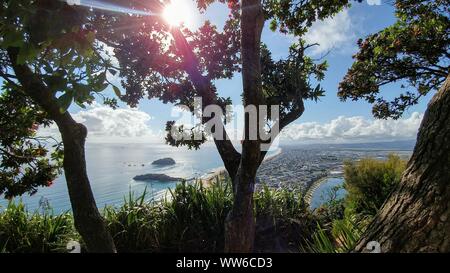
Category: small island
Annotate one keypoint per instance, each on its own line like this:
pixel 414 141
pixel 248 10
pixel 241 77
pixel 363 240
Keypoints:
pixel 164 162
pixel 156 176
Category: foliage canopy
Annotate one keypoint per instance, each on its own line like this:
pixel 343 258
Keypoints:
pixel 414 52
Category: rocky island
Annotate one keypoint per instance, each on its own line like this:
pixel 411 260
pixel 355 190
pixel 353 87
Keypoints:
pixel 164 162
pixel 156 176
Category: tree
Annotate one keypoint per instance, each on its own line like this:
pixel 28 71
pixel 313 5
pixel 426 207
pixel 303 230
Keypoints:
pixel 175 65
pixel 49 58
pixel 415 50
pixel 24 156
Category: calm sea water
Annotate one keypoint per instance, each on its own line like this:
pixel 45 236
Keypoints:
pixel 111 168
pixel 322 193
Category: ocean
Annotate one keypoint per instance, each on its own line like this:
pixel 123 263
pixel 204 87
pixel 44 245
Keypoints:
pixel 111 168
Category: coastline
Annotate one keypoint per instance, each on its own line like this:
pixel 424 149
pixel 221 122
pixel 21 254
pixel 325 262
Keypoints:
pixel 312 189
pixel 211 175
pixel 316 184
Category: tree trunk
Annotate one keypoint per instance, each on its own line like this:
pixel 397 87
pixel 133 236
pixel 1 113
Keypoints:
pixel 88 220
pixel 240 223
pixel 415 218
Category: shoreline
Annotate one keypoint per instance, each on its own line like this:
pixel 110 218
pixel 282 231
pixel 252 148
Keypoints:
pixel 316 184
pixel 312 189
pixel 211 175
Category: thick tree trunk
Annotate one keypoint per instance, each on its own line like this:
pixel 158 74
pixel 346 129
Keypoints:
pixel 240 224
pixel 415 218
pixel 88 220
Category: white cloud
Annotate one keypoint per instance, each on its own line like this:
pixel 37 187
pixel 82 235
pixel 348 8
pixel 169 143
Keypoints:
pixel 345 129
pixel 127 125
pixel 332 33
pixel 73 2
pixel 374 2
pixel 105 121
pixel 108 125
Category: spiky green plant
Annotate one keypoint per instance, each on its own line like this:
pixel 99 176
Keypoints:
pixel 191 218
pixel 339 237
pixel 22 231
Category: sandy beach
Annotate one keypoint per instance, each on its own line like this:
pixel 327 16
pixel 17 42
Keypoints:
pixel 310 192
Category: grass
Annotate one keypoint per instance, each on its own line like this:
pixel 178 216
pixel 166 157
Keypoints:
pixel 25 232
pixel 190 219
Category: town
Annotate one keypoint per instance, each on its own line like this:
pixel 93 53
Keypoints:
pixel 298 168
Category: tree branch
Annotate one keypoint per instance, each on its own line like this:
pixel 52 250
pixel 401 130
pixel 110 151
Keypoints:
pixel 228 153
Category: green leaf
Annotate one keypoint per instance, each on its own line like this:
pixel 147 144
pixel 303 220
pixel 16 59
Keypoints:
pixel 273 25
pixel 100 79
pixel 318 88
pixel 102 87
pixel 81 104
pixel 64 102
pixel 90 37
pixel 12 39
pixel 82 92
pixel 99 83
pixel 116 90
pixel 27 53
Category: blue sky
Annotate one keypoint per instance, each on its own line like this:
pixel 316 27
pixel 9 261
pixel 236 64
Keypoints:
pixel 364 19
pixel 337 36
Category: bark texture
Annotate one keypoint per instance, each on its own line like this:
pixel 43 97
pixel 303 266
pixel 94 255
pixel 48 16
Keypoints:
pixel 240 223
pixel 415 218
pixel 88 220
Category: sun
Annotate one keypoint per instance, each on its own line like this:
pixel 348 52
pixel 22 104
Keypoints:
pixel 176 13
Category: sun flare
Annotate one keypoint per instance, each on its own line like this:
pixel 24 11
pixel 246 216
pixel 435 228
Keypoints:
pixel 176 13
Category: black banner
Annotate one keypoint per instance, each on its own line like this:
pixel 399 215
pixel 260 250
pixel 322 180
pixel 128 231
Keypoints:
pixel 227 262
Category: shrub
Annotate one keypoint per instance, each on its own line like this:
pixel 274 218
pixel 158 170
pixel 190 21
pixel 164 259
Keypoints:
pixel 369 182
pixel 339 236
pixel 333 208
